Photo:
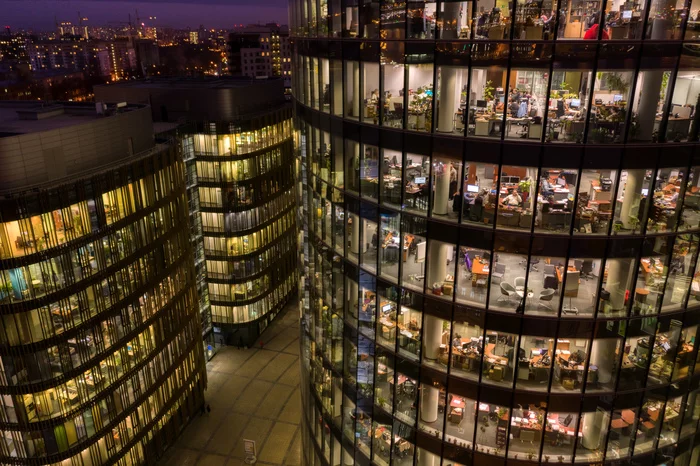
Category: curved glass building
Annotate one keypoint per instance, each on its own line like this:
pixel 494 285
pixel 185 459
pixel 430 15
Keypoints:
pixel 501 213
pixel 101 360
pixel 238 150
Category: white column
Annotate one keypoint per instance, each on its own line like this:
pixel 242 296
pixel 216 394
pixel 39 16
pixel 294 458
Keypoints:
pixel 648 101
pixel 450 20
pixel 432 337
pixel 442 188
pixel 355 233
pixel 355 89
pixel 616 284
pixel 632 187
pixel 353 295
pixel 591 428
pixel 437 262
pixel 425 458
pixel 447 98
pixel 429 403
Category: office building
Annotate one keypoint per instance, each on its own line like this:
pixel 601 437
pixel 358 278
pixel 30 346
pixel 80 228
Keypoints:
pixel 501 211
pixel 237 143
pixel 101 359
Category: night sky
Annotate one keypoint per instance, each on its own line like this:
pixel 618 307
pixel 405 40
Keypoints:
pixel 40 14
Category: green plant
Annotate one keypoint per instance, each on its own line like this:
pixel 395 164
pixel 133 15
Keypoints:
pixel 634 221
pixel 617 227
pixel 598 135
pixel 616 82
pixel 489 91
pixel 524 186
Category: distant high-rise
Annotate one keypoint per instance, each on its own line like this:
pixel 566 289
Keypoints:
pixel 101 359
pixel 260 51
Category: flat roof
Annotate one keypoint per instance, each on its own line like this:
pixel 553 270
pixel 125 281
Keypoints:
pixel 224 82
pixel 23 117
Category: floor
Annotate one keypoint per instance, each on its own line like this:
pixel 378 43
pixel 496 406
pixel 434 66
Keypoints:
pixel 253 394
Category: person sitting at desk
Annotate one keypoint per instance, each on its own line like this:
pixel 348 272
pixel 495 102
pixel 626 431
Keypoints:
pixel 513 199
pixel 547 187
pixel 674 196
pixel 457 341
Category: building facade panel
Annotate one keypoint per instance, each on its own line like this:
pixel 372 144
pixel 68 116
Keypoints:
pixel 499 232
pixel 100 349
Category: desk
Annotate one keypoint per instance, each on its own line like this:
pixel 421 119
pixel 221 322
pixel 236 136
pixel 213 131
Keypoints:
pixel 480 270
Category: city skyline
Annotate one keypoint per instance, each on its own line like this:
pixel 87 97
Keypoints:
pixel 42 15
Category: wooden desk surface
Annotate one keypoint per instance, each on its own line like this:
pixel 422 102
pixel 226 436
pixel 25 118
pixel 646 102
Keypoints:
pixel 560 272
pixel 479 268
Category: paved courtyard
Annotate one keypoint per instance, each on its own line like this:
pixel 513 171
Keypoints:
pixel 253 394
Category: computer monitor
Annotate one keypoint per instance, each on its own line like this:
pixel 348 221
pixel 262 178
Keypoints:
pixel 645 192
pixel 481 104
pixel 575 103
pixel 386 308
pixel 666 346
pixel 627 14
pixel 617 98
pixel 419 180
pixel 561 181
pixel 472 188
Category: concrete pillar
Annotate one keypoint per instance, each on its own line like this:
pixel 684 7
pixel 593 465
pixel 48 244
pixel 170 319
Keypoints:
pixel 592 426
pixel 635 178
pixel 355 234
pixel 429 403
pixel 432 337
pixel 437 262
pixel 355 89
pixel 425 458
pixel 602 353
pixel 348 460
pixel 447 97
pixel 648 101
pixel 450 20
pixel 353 297
pixel 618 271
pixel 442 188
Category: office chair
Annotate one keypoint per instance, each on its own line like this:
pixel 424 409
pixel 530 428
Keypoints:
pixel 586 269
pixel 546 296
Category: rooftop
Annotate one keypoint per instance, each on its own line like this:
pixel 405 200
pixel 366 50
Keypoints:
pixel 226 82
pixel 23 117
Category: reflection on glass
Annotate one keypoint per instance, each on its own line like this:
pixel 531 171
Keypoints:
pixel 391 178
pixel 391 250
pixel 491 20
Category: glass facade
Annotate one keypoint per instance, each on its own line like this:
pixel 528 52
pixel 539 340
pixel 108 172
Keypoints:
pixel 100 340
pixel 499 232
pixel 244 227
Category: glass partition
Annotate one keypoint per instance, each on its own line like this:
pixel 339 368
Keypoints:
pixel 555 200
pixel 526 104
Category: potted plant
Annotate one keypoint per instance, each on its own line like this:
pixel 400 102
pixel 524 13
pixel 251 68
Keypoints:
pixel 489 91
pixel 634 221
pixel 617 227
